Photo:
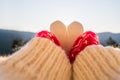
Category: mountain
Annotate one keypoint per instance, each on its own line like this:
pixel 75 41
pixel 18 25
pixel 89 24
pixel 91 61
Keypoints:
pixel 7 38
pixel 11 39
pixel 105 36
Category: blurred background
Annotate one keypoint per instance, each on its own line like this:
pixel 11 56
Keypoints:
pixel 21 19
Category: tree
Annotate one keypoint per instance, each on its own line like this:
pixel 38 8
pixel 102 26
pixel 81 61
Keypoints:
pixel 16 44
pixel 112 42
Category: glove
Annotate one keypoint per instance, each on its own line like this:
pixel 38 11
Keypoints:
pixel 39 59
pixel 97 63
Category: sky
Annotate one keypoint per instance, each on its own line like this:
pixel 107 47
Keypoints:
pixel 37 15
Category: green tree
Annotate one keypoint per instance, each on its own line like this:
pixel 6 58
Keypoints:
pixel 16 44
pixel 112 42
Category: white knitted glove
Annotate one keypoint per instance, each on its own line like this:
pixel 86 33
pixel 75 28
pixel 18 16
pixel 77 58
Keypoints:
pixel 39 59
pixel 97 63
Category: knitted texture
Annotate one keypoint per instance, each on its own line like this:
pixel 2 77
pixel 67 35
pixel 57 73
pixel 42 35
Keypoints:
pixel 39 59
pixel 97 63
pixel 2 58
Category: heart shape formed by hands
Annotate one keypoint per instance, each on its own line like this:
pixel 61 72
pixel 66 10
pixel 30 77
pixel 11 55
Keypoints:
pixel 66 35
pixel 72 38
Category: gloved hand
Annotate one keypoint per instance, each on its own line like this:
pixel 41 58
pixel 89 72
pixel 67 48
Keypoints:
pixel 42 59
pixel 39 59
pixel 97 63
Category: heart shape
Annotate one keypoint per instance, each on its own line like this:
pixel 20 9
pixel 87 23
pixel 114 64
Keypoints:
pixel 66 35
pixel 71 38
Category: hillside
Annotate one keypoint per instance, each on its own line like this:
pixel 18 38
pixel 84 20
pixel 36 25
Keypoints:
pixel 105 36
pixel 8 37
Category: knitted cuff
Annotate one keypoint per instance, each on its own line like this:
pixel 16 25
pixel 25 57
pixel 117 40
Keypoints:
pixel 97 63
pixel 39 59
